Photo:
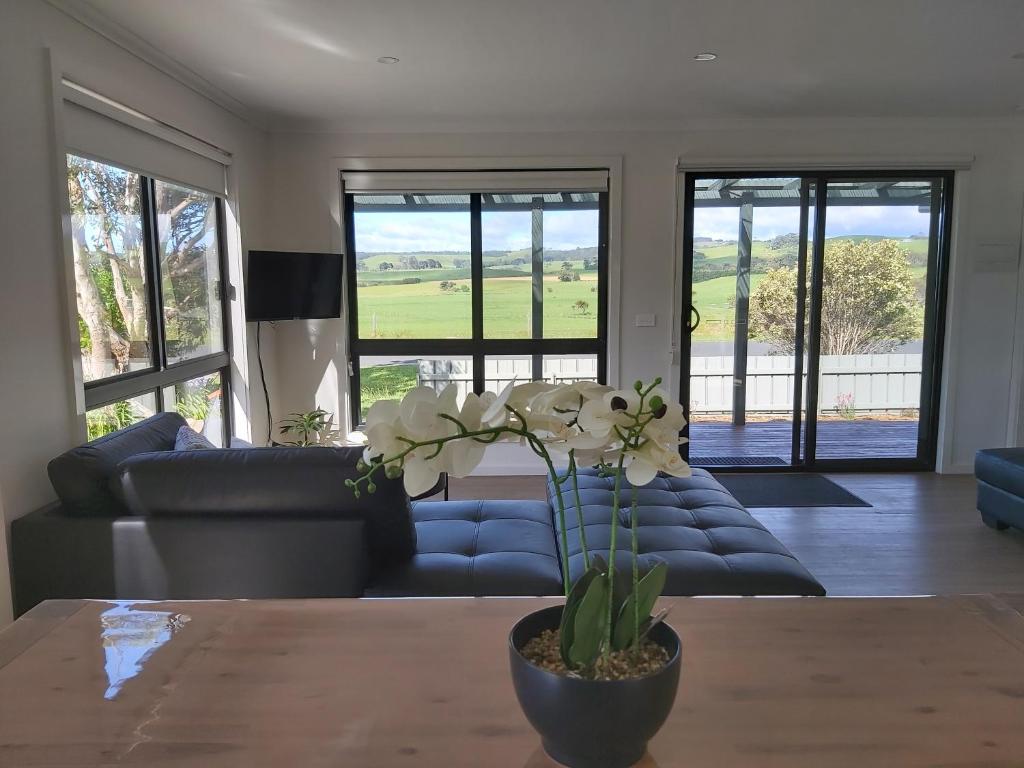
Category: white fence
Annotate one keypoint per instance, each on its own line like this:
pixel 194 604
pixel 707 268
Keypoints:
pixel 501 371
pixel 877 383
pixel 865 383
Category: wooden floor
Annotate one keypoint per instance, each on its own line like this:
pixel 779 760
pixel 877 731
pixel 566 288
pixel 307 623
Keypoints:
pixel 921 536
pixel 772 440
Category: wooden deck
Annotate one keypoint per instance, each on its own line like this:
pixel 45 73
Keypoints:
pixel 771 441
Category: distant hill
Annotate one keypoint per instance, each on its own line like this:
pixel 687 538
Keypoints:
pixel 372 260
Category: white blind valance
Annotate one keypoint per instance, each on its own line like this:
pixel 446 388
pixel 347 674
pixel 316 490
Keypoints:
pixel 103 130
pixel 568 180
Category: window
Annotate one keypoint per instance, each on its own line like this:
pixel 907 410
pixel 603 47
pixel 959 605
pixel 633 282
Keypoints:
pixel 474 288
pixel 814 337
pixel 151 308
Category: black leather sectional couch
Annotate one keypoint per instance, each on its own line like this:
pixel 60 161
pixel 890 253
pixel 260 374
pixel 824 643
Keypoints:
pixel 139 520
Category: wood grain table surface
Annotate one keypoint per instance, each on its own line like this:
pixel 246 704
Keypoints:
pixel 822 682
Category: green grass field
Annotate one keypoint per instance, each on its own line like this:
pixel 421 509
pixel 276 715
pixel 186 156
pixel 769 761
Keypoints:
pixel 409 303
pixel 422 310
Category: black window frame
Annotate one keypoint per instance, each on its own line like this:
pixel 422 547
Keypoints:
pixel 476 347
pixel 804 428
pixel 159 375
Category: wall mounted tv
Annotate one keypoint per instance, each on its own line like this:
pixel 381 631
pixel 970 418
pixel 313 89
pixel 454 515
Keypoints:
pixel 293 286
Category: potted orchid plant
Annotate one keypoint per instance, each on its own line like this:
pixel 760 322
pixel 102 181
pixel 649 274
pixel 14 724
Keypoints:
pixel 597 675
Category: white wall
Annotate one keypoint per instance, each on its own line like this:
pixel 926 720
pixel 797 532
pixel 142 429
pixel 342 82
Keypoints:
pixel 38 416
pixel 983 295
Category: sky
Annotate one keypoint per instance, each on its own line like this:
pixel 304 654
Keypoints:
pixel 888 221
pixel 566 230
pixel 444 231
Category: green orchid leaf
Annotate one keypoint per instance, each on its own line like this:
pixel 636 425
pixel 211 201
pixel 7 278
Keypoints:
pixel 651 623
pixel 589 625
pixel 567 625
pixel 646 595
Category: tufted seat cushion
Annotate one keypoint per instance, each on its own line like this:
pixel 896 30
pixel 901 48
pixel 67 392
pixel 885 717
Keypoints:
pixel 477 548
pixel 712 545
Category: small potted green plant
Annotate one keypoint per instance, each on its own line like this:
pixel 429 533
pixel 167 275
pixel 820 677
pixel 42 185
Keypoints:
pixel 311 428
pixel 596 676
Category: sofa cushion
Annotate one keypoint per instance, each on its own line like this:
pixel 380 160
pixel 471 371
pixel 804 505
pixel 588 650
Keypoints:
pixel 84 476
pixel 279 482
pixel 711 544
pixel 188 439
pixel 477 548
pixel 1002 468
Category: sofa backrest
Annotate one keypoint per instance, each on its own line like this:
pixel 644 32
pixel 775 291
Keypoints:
pixel 84 476
pixel 270 482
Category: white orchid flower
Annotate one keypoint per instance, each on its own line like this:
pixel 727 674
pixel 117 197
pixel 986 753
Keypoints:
pixel 567 397
pixel 460 457
pixel 495 414
pixel 651 458
pixel 585 445
pixel 613 409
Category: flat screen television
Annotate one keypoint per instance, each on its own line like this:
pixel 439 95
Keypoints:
pixel 293 286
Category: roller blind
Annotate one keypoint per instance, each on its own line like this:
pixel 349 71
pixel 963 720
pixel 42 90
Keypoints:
pixel 475 181
pixel 104 130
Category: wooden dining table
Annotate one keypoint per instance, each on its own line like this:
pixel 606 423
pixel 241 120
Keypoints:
pixel 822 682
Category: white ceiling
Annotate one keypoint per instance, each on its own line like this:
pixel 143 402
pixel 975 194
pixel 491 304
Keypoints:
pixel 596 63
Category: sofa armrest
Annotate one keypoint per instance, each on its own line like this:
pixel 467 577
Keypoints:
pixel 59 555
pixel 276 482
pixel 56 555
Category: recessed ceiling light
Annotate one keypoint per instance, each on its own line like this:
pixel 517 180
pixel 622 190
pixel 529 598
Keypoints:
pixel 387 59
pixel 705 56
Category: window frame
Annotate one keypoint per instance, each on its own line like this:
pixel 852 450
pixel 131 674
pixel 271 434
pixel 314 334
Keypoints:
pixel 160 374
pixel 476 347
pixel 934 352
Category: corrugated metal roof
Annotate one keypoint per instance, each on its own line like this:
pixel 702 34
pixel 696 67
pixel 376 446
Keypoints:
pixel 460 202
pixel 786 191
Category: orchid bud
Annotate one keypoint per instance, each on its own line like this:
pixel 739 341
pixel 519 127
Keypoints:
pixel 371 488
pixel 638 385
pixel 361 465
pixel 392 472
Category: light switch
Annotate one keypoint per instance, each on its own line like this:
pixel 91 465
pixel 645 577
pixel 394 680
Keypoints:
pixel 646 321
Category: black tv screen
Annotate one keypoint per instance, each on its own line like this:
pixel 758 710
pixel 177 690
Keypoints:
pixel 293 286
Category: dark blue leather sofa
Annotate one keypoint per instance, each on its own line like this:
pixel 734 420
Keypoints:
pixel 1000 476
pixel 138 520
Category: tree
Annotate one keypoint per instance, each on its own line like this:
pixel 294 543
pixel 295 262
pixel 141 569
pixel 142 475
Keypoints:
pixel 581 306
pixel 384 266
pixel 789 240
pixel 868 306
pixel 567 274
pixel 110 265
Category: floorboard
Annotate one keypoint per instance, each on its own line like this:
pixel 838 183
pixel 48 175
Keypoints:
pixel 922 534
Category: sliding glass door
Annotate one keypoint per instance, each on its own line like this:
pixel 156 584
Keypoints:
pixel 803 350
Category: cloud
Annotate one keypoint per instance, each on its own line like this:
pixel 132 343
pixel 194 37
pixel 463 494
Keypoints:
pixel 887 220
pixel 406 232
pixel 450 231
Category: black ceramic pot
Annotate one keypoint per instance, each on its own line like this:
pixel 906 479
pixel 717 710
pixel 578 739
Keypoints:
pixel 592 723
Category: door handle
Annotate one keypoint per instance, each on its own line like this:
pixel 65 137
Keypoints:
pixel 693 323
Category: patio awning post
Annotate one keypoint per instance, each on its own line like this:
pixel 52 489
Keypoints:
pixel 743 249
pixel 537 274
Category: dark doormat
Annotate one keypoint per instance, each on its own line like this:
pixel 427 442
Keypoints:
pixel 736 461
pixel 803 489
